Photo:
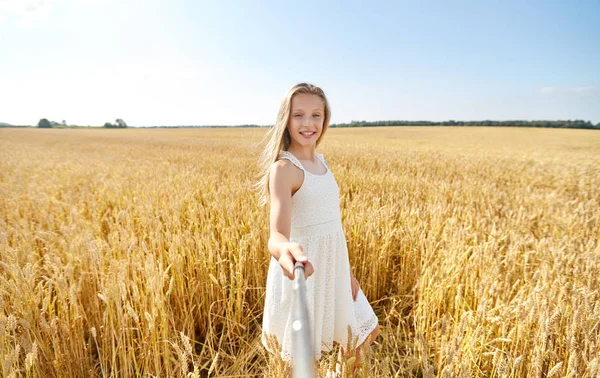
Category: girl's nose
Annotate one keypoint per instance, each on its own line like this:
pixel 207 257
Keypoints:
pixel 306 121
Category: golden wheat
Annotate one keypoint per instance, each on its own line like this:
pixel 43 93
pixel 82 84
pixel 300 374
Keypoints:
pixel 143 252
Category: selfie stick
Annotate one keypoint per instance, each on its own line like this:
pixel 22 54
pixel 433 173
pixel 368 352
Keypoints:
pixel 302 346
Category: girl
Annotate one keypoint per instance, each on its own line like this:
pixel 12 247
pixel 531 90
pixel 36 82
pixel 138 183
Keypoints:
pixel 306 227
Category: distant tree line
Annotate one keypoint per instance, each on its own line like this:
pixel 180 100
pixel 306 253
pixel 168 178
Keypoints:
pixel 119 124
pixel 44 123
pixel 568 124
pixel 244 126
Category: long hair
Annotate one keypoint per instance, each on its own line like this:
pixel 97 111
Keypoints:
pixel 279 136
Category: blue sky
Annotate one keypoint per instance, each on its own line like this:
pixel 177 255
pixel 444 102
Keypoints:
pixel 230 62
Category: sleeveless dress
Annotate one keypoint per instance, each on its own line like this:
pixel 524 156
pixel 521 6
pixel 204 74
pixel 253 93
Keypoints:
pixel 316 225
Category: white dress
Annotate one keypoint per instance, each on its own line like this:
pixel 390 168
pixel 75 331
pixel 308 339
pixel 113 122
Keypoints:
pixel 317 226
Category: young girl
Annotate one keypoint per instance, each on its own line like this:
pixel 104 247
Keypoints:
pixel 306 227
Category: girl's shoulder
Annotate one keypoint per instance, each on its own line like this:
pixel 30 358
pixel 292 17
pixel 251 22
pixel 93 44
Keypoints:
pixel 283 167
pixel 281 164
pixel 290 159
pixel 284 172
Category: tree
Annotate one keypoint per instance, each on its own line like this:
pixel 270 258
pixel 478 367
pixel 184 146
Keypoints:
pixel 44 123
pixel 120 124
pixel 64 123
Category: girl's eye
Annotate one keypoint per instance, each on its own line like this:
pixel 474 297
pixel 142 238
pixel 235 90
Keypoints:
pixel 316 115
pixel 298 115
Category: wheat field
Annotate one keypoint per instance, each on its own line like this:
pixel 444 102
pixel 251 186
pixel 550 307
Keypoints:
pixel 128 253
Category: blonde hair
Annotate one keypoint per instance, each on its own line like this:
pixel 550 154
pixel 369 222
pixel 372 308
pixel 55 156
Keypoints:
pixel 279 136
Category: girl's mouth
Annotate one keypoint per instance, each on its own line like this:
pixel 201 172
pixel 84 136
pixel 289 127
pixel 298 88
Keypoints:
pixel 307 134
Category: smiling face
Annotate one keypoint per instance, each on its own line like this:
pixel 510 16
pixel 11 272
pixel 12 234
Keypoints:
pixel 307 115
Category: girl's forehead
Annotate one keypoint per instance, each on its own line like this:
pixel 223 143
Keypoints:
pixel 307 100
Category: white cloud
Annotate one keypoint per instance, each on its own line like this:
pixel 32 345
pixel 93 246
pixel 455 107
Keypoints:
pixel 26 12
pixel 583 90
pixel 548 90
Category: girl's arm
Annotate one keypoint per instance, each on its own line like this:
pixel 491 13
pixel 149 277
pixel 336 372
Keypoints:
pixel 281 183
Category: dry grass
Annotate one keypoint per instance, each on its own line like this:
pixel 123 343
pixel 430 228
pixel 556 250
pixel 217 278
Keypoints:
pixel 143 252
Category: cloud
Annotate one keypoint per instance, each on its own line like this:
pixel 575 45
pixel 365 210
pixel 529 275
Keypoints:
pixel 26 12
pixel 548 90
pixel 584 90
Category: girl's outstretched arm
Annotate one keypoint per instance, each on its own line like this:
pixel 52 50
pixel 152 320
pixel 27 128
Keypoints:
pixel 282 178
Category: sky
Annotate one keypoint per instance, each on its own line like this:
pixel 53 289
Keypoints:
pixel 191 62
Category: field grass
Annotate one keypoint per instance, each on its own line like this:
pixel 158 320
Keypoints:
pixel 143 252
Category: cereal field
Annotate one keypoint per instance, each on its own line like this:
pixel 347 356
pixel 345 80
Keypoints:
pixel 129 253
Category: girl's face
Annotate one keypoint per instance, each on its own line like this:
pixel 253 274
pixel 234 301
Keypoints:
pixel 306 119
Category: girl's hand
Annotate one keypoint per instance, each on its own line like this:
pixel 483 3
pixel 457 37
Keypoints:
pixel 355 286
pixel 289 253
